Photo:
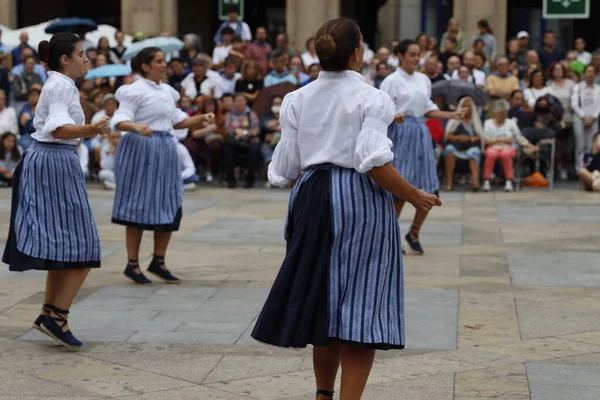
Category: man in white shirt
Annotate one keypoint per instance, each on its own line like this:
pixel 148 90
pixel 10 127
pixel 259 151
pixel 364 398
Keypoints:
pixel 197 82
pixel 239 27
pixel 220 53
pixel 477 76
pixel 226 83
pixel 188 169
pixel 582 55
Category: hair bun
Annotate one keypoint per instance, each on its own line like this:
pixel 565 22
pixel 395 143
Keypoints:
pixel 325 46
pixel 44 51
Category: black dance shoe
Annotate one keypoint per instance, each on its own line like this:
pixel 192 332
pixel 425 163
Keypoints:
pixel 413 242
pixel 53 327
pixel 37 324
pixel 138 277
pixel 156 268
pixel 325 393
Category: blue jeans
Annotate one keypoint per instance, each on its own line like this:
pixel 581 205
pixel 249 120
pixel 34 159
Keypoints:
pixel 191 179
pixel 25 140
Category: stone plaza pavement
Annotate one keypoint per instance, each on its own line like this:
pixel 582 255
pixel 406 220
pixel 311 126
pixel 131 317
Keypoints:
pixel 504 305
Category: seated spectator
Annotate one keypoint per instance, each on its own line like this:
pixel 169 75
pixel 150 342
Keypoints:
pixel 431 69
pixel 383 70
pixel 583 56
pixel 501 84
pixel 393 61
pixel 501 136
pixel 197 82
pixel 463 74
pixel 220 53
pixel 109 106
pixel 283 47
pixel 271 130
pixel 10 154
pixel 8 116
pixel 238 50
pixel 589 174
pixel 229 77
pixel 185 105
pixel 536 89
pixel 518 111
pixel 463 142
pixel 84 159
pixel 26 117
pixel 313 73
pixel 23 82
pixel 310 56
pixel 251 81
pixel 188 169
pixel 452 65
pixel 450 49
pixel 176 73
pixel 474 75
pixel 297 69
pixel 242 129
pixel 107 161
pixel 18 68
pixel 225 107
pixel 208 140
pixel 120 48
pixel 260 50
pixel 279 74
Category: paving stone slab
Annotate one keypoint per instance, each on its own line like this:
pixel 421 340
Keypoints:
pixel 576 269
pixel 547 213
pixel 431 319
pixel 563 381
pixel 240 231
pixel 447 234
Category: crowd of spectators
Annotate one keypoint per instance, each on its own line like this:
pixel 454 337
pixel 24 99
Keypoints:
pixel 245 77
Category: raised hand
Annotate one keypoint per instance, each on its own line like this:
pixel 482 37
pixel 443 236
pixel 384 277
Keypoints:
pixel 101 126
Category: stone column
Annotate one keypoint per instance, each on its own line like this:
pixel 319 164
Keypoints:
pixel 470 11
pixel 398 20
pixel 149 16
pixel 8 13
pixel 305 17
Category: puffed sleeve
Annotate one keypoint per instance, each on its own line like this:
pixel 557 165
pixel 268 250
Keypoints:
pixel 58 98
pixel 177 116
pixel 286 164
pixel 129 100
pixel 373 148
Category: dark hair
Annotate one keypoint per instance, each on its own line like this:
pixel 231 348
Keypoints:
pixel 240 94
pixel 144 57
pixel 174 60
pixel 480 54
pixel 403 46
pixel 533 74
pixel 276 54
pixel 588 66
pixel 335 42
pixel 310 39
pixel 107 42
pixel 311 66
pixel 237 39
pixel 478 40
pixel 483 23
pixel 233 9
pixel 210 100
pixel 550 72
pixel 514 92
pixel 227 31
pixel 15 154
pixel 61 44
pixel 227 95
pixel 595 136
pixel 549 31
pixel 231 60
pixel 382 63
pixel 29 58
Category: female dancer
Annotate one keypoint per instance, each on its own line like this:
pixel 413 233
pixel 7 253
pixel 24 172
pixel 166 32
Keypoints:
pixel 340 287
pixel 147 170
pixel 51 225
pixel 414 158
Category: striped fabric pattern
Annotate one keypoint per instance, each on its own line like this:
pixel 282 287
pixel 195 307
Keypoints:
pixel 366 282
pixel 303 178
pixel 148 177
pixel 413 154
pixel 54 220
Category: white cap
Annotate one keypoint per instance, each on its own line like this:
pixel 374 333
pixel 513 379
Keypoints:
pixel 522 35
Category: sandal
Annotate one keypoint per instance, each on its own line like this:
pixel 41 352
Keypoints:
pixel 37 324
pixel 53 327
pixel 325 393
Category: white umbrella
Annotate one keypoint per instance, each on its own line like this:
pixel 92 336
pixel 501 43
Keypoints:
pixel 166 44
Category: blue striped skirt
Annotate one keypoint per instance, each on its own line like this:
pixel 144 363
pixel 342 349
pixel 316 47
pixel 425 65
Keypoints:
pixel 51 226
pixel 413 151
pixel 342 276
pixel 149 191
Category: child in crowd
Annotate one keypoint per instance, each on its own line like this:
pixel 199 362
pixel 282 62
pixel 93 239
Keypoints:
pixel 107 161
pixel 10 154
pixel 589 175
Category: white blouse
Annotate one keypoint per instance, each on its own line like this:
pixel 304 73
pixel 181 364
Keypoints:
pixel 349 129
pixel 509 129
pixel 410 93
pixel 532 94
pixel 58 106
pixel 8 121
pixel 309 60
pixel 145 102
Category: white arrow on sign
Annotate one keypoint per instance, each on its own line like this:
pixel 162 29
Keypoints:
pixel 566 3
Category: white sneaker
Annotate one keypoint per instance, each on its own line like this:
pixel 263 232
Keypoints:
pixel 486 186
pixel 508 187
pixel 109 185
pixel 190 187
pixel 209 178
pixel 564 175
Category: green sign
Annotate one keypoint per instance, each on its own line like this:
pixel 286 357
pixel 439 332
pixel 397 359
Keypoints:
pixel 224 5
pixel 566 9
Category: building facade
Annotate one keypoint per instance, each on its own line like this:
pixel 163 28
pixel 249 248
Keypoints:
pixel 380 20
